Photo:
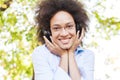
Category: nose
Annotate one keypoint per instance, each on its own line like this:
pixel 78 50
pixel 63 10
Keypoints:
pixel 64 32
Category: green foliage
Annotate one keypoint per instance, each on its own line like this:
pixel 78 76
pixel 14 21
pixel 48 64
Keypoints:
pixel 110 26
pixel 17 40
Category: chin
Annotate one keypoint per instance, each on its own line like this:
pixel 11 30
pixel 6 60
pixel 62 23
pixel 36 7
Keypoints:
pixel 65 46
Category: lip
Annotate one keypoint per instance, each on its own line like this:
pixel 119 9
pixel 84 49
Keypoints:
pixel 65 41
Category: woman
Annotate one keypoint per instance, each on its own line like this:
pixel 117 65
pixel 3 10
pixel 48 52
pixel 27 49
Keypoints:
pixel 61 27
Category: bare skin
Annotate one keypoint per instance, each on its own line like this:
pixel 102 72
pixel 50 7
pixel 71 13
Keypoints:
pixel 67 57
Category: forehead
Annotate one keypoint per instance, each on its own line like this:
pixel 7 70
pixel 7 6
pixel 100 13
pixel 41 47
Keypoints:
pixel 62 17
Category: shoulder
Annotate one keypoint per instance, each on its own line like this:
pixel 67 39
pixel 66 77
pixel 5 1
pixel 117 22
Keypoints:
pixel 40 50
pixel 88 56
pixel 88 53
pixel 84 51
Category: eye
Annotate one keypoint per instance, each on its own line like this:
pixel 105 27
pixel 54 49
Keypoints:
pixel 70 26
pixel 56 28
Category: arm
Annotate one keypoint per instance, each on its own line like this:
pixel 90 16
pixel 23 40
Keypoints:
pixel 55 49
pixel 88 73
pixel 42 68
pixel 73 68
pixel 88 63
pixel 87 70
pixel 63 54
pixel 64 62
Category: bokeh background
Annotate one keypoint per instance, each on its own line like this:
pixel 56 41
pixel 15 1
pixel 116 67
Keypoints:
pixel 18 38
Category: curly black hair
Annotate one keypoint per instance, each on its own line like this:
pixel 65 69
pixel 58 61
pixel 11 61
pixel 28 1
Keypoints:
pixel 46 9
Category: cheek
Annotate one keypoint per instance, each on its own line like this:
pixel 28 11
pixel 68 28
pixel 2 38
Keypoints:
pixel 73 33
pixel 74 36
pixel 54 36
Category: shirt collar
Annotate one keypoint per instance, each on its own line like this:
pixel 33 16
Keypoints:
pixel 79 50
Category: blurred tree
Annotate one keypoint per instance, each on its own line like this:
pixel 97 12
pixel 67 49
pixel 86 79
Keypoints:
pixel 104 37
pixel 104 20
pixel 5 4
pixel 18 38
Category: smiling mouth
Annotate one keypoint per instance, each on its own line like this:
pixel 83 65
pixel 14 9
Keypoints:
pixel 65 41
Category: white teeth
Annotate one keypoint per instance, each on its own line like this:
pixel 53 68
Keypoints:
pixel 65 41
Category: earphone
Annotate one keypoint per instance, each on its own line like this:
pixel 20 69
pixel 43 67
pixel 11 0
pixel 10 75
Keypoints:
pixel 47 33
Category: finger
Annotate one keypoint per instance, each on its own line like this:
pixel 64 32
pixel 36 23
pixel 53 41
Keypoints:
pixel 48 43
pixel 53 42
pixel 46 40
pixel 82 34
pixel 51 39
pixel 56 47
pixel 78 34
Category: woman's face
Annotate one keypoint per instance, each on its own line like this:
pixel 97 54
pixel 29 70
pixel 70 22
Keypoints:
pixel 63 29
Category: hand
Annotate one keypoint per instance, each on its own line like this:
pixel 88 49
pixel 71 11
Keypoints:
pixel 54 48
pixel 77 42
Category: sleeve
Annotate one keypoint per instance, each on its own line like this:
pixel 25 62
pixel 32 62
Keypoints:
pixel 42 69
pixel 88 69
pixel 60 74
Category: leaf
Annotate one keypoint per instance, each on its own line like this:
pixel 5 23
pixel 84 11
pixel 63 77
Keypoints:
pixel 11 19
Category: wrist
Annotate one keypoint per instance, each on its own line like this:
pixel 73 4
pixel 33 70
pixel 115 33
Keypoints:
pixel 64 55
pixel 71 53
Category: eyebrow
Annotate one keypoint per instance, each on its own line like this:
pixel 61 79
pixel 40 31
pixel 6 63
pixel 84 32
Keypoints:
pixel 65 24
